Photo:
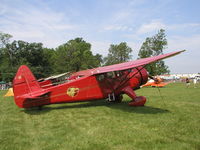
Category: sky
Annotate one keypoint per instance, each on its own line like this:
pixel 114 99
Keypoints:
pixel 105 22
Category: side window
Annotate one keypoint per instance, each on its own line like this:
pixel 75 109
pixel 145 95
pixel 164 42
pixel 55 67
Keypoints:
pixel 111 75
pixel 118 73
pixel 100 77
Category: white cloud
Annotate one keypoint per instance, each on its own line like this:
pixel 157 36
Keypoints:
pixel 117 28
pixel 191 42
pixel 183 26
pixel 122 15
pixel 154 25
pixel 2 9
pixel 34 24
pixel 188 62
pixel 100 47
pixel 31 34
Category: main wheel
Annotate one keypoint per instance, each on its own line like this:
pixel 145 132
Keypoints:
pixel 139 101
pixel 118 98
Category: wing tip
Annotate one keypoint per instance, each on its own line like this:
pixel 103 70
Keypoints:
pixel 182 51
pixel 178 52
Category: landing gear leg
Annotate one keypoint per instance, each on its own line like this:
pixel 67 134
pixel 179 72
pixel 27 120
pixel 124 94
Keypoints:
pixel 115 98
pixel 136 100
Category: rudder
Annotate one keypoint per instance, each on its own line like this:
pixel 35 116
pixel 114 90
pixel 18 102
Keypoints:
pixel 25 86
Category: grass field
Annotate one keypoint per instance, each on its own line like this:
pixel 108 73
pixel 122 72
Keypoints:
pixel 170 121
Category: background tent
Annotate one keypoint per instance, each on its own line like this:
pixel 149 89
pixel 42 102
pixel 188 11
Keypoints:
pixel 9 93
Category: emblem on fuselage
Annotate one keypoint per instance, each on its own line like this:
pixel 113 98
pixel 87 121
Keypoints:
pixel 72 91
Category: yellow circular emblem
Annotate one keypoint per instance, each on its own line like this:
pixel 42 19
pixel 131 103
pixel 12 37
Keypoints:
pixel 72 91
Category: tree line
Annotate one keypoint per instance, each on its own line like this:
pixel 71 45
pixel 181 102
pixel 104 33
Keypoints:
pixel 72 56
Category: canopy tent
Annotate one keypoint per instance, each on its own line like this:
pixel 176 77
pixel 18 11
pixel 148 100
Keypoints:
pixel 9 93
pixel 2 82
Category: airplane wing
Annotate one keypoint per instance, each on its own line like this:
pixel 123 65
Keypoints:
pixel 131 64
pixel 126 65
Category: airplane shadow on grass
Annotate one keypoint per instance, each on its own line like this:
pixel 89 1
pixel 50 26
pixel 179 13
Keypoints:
pixel 123 106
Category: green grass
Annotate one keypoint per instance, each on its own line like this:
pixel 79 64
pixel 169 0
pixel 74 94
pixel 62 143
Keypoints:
pixel 170 121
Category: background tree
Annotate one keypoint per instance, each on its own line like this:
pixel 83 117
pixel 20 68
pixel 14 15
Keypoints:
pixel 4 60
pixel 4 39
pixel 154 46
pixel 118 54
pixel 23 53
pixel 76 55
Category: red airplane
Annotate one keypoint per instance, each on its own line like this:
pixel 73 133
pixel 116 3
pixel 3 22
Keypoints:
pixel 100 83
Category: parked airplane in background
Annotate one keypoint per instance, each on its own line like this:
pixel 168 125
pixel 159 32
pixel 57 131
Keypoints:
pixel 156 82
pixel 104 82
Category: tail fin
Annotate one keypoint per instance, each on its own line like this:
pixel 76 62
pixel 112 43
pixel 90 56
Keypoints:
pixel 25 86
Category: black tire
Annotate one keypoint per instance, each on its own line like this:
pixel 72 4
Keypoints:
pixel 118 98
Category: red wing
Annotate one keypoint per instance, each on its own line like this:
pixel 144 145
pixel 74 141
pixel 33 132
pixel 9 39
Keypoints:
pixel 126 65
pixel 131 64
